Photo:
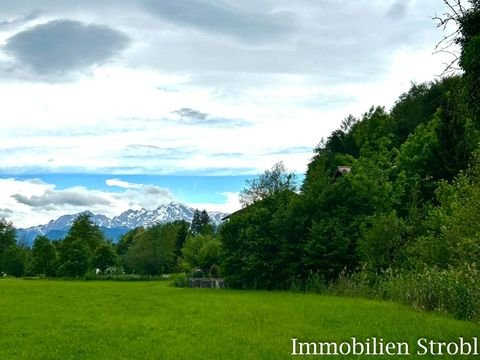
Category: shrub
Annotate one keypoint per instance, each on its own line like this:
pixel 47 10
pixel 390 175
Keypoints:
pixel 180 280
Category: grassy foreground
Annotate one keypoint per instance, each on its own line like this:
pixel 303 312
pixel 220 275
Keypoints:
pixel 149 320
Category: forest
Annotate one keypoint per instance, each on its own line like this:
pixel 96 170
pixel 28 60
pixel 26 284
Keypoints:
pixel 389 208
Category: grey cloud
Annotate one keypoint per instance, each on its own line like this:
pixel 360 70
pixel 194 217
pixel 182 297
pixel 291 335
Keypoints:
pixel 398 9
pixel 194 117
pixel 8 24
pixel 191 114
pixel 156 191
pixel 60 197
pixel 337 42
pixel 62 46
pixel 223 19
pixel 5 213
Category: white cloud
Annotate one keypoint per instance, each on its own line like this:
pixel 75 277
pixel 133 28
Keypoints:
pixel 122 184
pixel 33 202
pixel 292 83
pixel 230 205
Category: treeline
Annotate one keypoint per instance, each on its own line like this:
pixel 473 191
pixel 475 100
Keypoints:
pixel 84 252
pixel 389 206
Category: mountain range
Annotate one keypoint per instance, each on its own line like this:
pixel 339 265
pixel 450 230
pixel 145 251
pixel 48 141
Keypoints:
pixel 115 227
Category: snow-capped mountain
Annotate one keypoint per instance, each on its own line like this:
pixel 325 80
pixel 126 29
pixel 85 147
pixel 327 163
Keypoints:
pixel 163 214
pixel 114 228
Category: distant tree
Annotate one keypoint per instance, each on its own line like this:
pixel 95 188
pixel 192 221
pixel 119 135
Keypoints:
pixel 182 228
pixel 44 257
pixel 78 247
pixel 104 257
pixel 10 260
pixel 83 229
pixel 271 182
pixel 200 222
pixel 74 258
pixel 196 222
pixel 14 261
pixel 127 240
pixel 200 252
pixel 7 235
pixel 153 250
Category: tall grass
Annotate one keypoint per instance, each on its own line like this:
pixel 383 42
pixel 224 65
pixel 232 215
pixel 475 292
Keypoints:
pixel 454 291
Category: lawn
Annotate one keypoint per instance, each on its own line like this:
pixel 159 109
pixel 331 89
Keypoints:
pixel 42 319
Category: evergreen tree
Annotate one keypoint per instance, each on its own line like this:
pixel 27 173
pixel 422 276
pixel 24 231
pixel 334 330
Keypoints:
pixel 200 223
pixel 196 225
pixel 83 229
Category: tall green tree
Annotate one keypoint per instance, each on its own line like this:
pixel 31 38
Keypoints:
pixel 104 257
pixel 14 261
pixel 7 235
pixel 84 230
pixel 44 257
pixel 74 258
pixel 261 248
pixel 78 247
pixel 153 250
pixel 200 223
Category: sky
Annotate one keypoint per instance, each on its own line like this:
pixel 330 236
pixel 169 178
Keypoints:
pixel 110 105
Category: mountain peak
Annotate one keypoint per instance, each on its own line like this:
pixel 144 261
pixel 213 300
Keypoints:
pixel 129 219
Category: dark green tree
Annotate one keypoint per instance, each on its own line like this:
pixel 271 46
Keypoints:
pixel 44 257
pixel 261 246
pixel 127 240
pixel 182 228
pixel 153 250
pixel 14 261
pixel 74 258
pixel 104 257
pixel 200 223
pixel 7 235
pixel 83 229
pixel 196 226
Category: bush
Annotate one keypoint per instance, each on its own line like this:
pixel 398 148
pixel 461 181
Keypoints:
pixel 180 280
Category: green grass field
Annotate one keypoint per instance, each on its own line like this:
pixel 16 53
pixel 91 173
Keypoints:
pixel 42 319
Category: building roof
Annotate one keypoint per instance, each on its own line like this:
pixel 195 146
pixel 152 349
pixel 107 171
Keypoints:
pixel 342 170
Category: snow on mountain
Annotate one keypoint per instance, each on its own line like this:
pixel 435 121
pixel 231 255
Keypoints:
pixel 127 220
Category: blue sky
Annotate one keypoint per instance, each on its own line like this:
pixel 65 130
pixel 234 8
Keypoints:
pixel 186 189
pixel 184 100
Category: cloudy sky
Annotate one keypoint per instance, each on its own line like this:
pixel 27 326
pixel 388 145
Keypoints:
pixel 109 105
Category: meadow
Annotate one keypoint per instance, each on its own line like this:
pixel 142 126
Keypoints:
pixel 53 319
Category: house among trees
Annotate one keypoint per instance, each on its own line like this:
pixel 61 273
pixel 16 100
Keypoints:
pixel 342 170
